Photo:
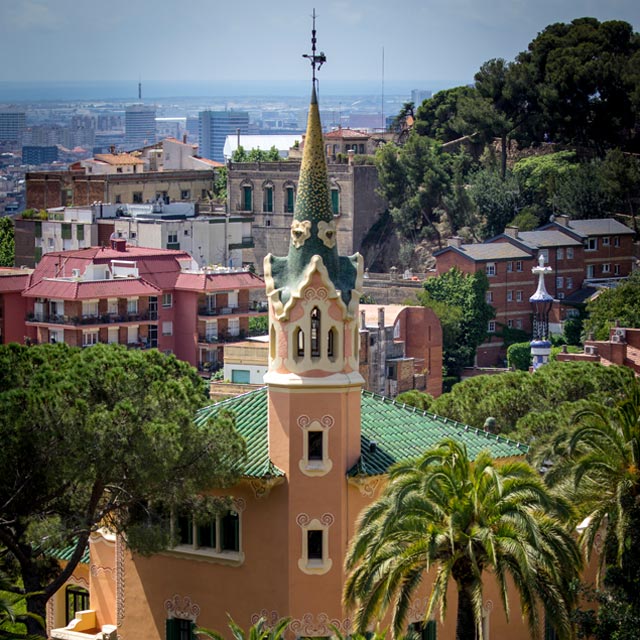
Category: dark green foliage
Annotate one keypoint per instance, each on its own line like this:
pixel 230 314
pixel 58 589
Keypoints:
pixel 255 155
pixel 622 304
pixel 437 117
pixel 497 199
pixel 462 519
pixel 416 399
pixel 459 301
pixel 258 326
pixel 573 330
pixel 220 184
pixel 7 242
pixel 509 397
pixel 90 437
pixel 519 356
pixel 414 179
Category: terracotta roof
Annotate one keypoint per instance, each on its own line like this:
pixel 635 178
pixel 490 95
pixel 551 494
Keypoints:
pixel 399 433
pixel 12 280
pixel 174 140
pixel 118 158
pixel 218 281
pixel 89 290
pixel 339 134
pixel 208 161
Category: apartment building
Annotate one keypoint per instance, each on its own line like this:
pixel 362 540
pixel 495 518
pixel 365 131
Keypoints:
pixel 582 253
pixel 138 296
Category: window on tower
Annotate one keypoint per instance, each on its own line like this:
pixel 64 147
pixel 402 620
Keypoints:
pixel 299 342
pixel 315 333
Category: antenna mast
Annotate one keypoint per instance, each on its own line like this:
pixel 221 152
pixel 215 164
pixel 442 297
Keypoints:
pixel 315 59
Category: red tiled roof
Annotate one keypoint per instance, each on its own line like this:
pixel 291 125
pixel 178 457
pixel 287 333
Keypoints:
pixel 12 280
pixel 118 158
pixel 346 133
pixel 218 281
pixel 78 290
pixel 213 163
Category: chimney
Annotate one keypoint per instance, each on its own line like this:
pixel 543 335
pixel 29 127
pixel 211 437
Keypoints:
pixel 184 138
pixel 562 220
pixel 381 317
pixel 350 154
pixel 454 241
pixel 511 232
pixel 363 319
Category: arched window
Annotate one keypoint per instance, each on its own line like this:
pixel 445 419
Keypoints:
pixel 331 343
pixel 267 198
pixel 299 342
pixel 315 333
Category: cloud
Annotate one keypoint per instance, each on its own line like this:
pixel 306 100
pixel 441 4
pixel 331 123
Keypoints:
pixel 29 15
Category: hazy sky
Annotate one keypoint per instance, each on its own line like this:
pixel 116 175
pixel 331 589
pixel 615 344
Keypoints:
pixel 209 41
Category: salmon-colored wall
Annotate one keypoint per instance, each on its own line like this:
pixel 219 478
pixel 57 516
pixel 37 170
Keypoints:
pixel 103 579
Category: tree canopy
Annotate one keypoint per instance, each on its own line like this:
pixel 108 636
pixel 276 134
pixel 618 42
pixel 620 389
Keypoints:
pixel 7 242
pixel 459 301
pixel 619 304
pixel 91 437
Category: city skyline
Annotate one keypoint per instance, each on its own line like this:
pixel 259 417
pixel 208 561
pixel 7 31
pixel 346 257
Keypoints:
pixel 109 43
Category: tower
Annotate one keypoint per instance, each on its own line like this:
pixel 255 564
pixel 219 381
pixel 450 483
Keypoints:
pixel 541 302
pixel 213 129
pixel 139 125
pixel 313 381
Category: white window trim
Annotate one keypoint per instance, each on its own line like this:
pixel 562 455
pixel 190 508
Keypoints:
pixel 490 269
pixel 167 328
pixel 315 468
pixel 169 297
pixel 306 524
pixel 491 327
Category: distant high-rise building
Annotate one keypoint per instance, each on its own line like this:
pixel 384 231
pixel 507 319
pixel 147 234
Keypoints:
pixel 34 154
pixel 12 124
pixel 139 125
pixel 418 96
pixel 214 127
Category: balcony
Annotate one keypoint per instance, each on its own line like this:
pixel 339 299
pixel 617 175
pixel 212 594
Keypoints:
pixel 99 320
pixel 258 308
pixel 222 338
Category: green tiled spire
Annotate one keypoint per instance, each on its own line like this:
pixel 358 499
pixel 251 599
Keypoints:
pixel 313 231
pixel 313 201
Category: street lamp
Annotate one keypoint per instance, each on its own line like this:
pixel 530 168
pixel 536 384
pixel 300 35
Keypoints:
pixel 541 302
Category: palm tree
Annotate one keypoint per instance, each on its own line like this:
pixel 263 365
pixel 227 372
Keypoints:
pixel 257 631
pixel 599 462
pixel 462 519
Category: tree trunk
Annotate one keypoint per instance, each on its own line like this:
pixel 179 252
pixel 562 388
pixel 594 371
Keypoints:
pixel 37 605
pixel 503 163
pixel 465 622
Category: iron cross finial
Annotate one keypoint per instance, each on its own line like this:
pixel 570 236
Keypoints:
pixel 315 59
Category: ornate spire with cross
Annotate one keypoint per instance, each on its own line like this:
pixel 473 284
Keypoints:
pixel 315 59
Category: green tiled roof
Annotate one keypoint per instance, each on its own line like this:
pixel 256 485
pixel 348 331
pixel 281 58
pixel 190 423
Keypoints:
pixel 401 432
pixel 65 553
pixel 398 431
pixel 251 422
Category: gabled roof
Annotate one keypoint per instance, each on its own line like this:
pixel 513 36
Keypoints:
pixel 547 238
pixel 13 280
pixel 399 433
pixel 341 134
pixel 488 251
pixel 218 281
pixel 117 159
pixel 594 227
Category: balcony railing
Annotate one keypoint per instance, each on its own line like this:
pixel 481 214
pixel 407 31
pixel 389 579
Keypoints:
pixel 107 318
pixel 222 337
pixel 226 311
